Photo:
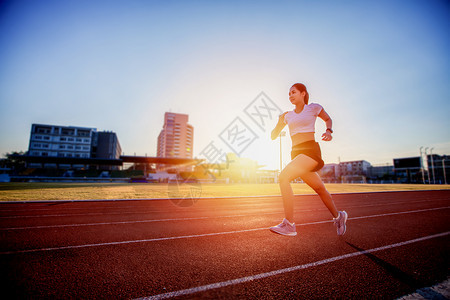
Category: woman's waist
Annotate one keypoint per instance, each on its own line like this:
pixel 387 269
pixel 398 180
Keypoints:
pixel 300 138
pixel 309 145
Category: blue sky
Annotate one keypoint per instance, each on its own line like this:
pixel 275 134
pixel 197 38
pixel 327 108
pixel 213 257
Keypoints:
pixel 381 69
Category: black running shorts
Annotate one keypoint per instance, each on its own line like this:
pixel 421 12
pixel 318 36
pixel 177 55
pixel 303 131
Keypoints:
pixel 310 149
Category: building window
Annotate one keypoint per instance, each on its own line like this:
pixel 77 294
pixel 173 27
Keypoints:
pixel 43 130
pixel 68 132
pixel 83 133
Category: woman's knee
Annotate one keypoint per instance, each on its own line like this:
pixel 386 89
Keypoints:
pixel 284 177
pixel 287 177
pixel 320 189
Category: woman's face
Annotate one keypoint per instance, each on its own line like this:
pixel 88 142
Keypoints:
pixel 296 97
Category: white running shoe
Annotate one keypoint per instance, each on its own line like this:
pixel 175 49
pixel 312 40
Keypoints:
pixel 285 228
pixel 340 222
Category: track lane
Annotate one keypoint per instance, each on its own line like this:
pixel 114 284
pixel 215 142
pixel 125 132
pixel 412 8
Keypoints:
pixel 142 269
pixel 306 203
pixel 231 203
pixel 190 262
pixel 72 236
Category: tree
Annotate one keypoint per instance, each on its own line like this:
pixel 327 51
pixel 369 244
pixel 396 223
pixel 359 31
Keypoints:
pixel 14 162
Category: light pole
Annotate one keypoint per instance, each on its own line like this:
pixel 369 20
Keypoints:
pixel 428 169
pixel 421 165
pixel 443 168
pixel 432 164
pixel 283 133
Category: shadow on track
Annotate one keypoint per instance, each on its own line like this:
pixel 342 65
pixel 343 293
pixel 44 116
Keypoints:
pixel 394 271
pixel 418 286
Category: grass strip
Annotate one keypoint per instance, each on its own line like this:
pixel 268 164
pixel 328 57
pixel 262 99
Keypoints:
pixel 93 191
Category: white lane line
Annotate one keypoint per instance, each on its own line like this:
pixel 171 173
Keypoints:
pixel 287 270
pixel 180 219
pixel 205 234
pixel 205 209
pixel 231 207
pixel 77 215
pixel 248 200
pixel 111 223
pixel 66 208
pixel 396 213
pixel 243 203
pixel 131 242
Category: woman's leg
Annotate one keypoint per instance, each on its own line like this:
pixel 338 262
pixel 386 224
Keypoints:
pixel 300 165
pixel 315 182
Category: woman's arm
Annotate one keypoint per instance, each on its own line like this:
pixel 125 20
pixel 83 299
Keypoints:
pixel 324 116
pixel 280 125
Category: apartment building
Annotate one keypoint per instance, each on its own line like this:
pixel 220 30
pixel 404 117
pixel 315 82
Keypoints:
pixel 60 141
pixel 352 168
pixel 176 139
pixel 72 142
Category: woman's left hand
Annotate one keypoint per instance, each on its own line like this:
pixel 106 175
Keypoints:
pixel 327 136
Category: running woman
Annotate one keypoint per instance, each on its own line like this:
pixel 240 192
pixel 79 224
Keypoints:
pixel 306 158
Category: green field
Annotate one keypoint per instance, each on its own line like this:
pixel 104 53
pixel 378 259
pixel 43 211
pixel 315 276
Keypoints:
pixel 90 191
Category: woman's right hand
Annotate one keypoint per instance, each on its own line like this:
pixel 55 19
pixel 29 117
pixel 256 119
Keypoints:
pixel 280 125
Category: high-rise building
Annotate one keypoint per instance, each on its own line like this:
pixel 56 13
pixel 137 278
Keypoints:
pixel 177 137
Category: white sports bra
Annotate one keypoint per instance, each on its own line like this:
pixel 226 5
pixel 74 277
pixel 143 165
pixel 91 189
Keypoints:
pixel 304 121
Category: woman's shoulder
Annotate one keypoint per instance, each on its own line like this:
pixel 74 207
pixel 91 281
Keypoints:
pixel 316 107
pixel 314 104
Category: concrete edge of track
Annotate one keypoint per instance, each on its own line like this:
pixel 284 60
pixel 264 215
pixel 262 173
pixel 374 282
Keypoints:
pixel 203 198
pixel 437 291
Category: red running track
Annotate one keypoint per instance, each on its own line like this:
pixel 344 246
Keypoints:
pixel 396 243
